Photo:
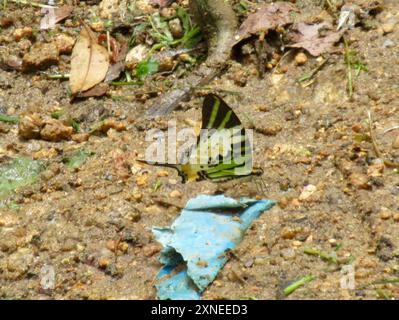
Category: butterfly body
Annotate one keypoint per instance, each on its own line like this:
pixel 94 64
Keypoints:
pixel 223 149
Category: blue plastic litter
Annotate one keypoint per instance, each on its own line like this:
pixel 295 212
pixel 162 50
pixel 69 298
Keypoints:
pixel 195 245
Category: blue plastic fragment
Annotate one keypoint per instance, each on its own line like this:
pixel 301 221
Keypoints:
pixel 195 245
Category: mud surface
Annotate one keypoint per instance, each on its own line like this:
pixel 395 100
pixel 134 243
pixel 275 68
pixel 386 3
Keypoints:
pixel 91 225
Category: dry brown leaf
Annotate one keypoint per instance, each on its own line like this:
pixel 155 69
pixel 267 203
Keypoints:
pixel 115 69
pixel 315 38
pixel 54 15
pixel 161 3
pixel 89 62
pixel 269 16
pixel 97 91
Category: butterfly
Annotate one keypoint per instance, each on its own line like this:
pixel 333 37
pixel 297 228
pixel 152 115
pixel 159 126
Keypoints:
pixel 223 150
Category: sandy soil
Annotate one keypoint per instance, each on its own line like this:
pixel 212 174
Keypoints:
pixel 92 225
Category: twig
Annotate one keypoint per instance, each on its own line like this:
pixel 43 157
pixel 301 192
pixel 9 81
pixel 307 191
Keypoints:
pixel 375 146
pixel 391 129
pixel 57 76
pixel 348 68
pixel 312 73
pixel 126 83
pixel 33 4
pixel 281 60
pixel 380 281
pixel 321 254
pixel 108 43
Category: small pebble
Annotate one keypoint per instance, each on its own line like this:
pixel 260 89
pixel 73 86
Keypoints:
pixel 103 263
pixel 388 44
pixel 388 27
pixel 249 263
pixel 111 245
pixel 137 196
pixel 332 241
pixel 64 43
pixel 359 180
pixel 176 28
pixel 301 58
pixel 376 170
pixel 395 144
pixel 123 247
pixel 385 214
pixel 40 56
pixel 288 233
pixel 307 192
pixel 20 33
pixel 134 216
pixel 175 194
pixel 168 12
pixel 288 253
pixel 136 55
pixel 151 250
pixel 80 137
pixel 162 173
pixel 296 243
pixel 142 180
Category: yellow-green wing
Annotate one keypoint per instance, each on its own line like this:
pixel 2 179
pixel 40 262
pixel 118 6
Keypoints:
pixel 223 148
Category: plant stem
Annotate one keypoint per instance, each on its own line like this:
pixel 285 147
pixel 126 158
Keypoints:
pixel 321 254
pixel 9 119
pixel 297 284
pixel 348 68
pixel 58 76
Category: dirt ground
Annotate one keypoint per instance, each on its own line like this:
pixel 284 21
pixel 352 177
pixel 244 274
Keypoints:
pixel 92 225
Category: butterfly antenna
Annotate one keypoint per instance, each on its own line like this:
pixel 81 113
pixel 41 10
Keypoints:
pixel 158 164
pixel 261 185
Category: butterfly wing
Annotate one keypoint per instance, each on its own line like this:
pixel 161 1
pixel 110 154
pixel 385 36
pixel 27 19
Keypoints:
pixel 216 114
pixel 223 149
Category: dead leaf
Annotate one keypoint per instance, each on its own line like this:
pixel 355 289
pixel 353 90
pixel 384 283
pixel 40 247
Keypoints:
pixel 53 16
pixel 315 38
pixel 89 62
pixel 161 3
pixel 114 46
pixel 97 91
pixel 115 70
pixel 269 16
pixel 347 16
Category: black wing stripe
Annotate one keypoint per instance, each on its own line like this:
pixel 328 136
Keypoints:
pixel 225 116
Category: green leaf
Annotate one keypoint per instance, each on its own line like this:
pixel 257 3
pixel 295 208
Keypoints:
pixel 157 186
pixel 160 28
pixel 185 18
pixel 192 37
pixel 9 119
pixel 146 68
pixel 77 159
pixel 18 173
pixel 57 114
pixel 75 125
